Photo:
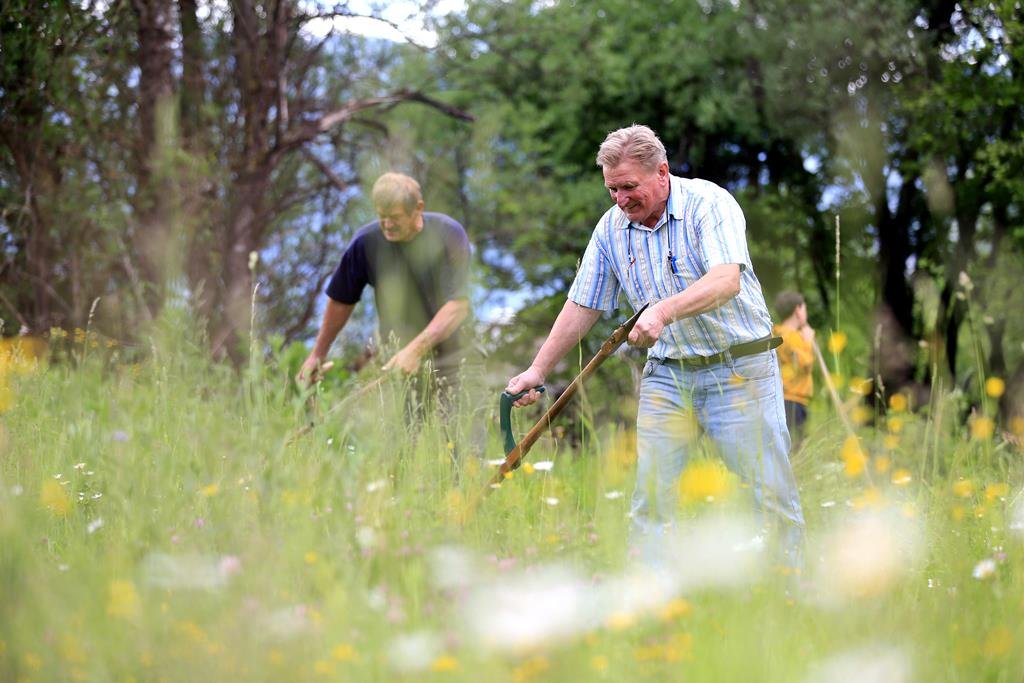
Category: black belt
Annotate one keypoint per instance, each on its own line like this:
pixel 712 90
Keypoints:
pixel 745 349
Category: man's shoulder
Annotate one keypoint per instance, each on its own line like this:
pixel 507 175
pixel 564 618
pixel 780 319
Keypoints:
pixel 442 221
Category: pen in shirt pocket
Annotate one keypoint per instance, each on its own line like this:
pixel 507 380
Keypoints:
pixel 672 263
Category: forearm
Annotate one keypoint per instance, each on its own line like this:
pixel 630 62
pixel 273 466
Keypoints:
pixel 571 325
pixel 441 326
pixel 335 316
pixel 719 285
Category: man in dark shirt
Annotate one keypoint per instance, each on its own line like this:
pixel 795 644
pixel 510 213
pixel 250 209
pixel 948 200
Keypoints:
pixel 418 265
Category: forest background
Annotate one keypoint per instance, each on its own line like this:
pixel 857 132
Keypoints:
pixel 209 156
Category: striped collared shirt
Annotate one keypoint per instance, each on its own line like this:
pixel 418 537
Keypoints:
pixel 702 227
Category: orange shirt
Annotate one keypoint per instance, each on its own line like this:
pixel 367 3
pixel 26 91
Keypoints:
pixel 796 360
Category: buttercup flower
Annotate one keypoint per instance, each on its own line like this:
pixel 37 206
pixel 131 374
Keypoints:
pixel 837 341
pixel 994 387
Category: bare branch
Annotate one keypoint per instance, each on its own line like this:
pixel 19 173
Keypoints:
pixel 310 129
pixel 335 179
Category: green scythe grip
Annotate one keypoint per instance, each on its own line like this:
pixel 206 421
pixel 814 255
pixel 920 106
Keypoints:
pixel 505 415
pixel 514 452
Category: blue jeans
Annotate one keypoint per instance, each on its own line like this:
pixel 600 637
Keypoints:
pixel 738 405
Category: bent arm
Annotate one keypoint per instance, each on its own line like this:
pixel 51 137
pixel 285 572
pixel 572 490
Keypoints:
pixel 571 325
pixel 335 316
pixel 441 326
pixel 720 284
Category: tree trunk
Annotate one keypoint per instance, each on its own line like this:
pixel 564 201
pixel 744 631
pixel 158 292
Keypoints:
pixel 152 236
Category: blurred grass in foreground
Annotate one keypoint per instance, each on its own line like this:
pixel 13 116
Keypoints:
pixel 156 524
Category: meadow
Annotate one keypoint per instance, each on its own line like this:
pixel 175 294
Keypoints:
pixel 162 520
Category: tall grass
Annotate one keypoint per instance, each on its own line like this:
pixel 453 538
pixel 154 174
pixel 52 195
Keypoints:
pixel 157 522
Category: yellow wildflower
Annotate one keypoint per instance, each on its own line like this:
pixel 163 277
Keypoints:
pixel 871 498
pixel 344 653
pixel 901 477
pixel 704 480
pixel 993 491
pixel 123 601
pixel 837 341
pixel 322 667
pixel 1017 426
pixel 860 415
pixel 54 498
pixel 994 387
pixel 882 464
pixel 963 488
pixel 854 458
pixel 959 513
pixel 675 609
pixel 599 663
pixel 445 663
pixel 620 621
pixel 530 669
pixel 838 379
pixel 860 385
pixel 528 468
pixel 209 490
pixel 898 403
pixel 310 557
pixel 982 428
pixel 890 441
pixel 998 642
pixel 508 475
pixel 895 425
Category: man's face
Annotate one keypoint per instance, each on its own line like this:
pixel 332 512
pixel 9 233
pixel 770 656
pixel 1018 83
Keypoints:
pixel 399 224
pixel 640 193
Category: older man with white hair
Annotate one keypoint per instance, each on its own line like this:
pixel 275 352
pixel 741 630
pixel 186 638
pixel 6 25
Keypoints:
pixel 679 244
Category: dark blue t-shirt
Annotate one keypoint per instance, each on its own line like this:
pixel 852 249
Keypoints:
pixel 411 280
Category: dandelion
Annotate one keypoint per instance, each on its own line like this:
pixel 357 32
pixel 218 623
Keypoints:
pixel 837 341
pixel 853 456
pixel 901 477
pixel 993 491
pixel 898 403
pixel 209 490
pixel 895 425
pixel 994 387
pixel 998 642
pixel 984 569
pixel 54 498
pixel 310 557
pixel 444 663
pixel 528 468
pixel 860 415
pixel 982 428
pixel 344 652
pixel 860 385
pixel 123 600
pixel 620 621
pixel 530 669
pixel 963 488
pixel 958 513
pixel 882 464
pixel 322 667
pixel 675 609
pixel 705 480
pixel 871 498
